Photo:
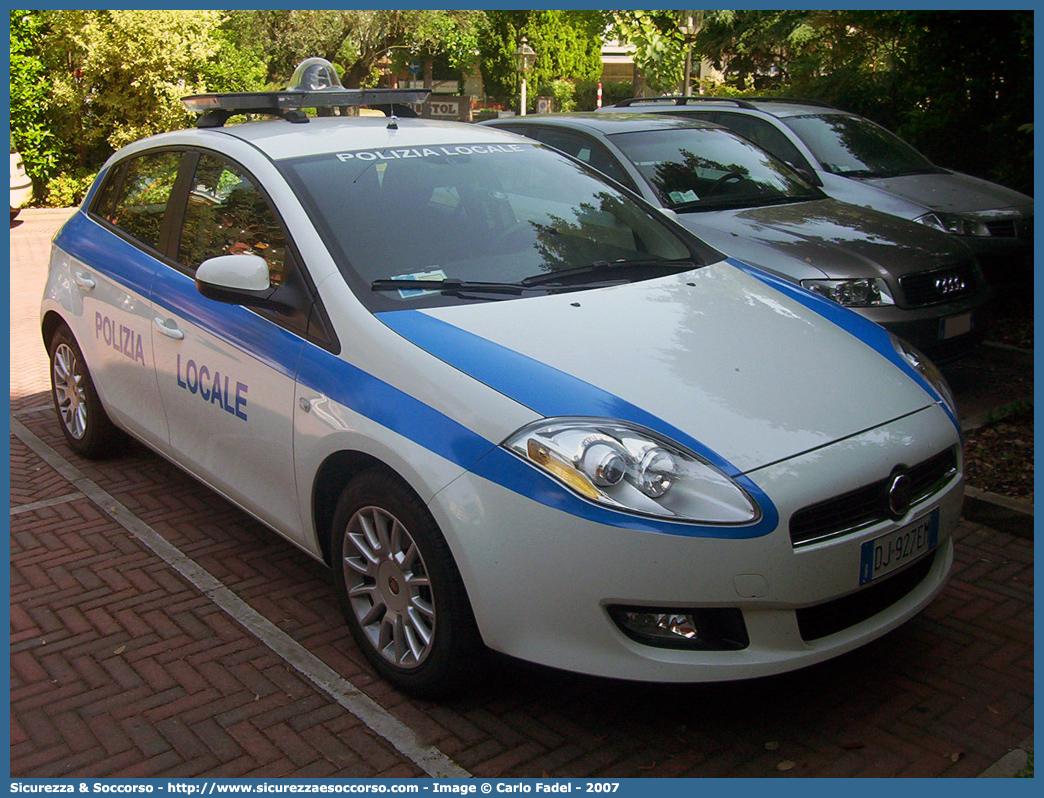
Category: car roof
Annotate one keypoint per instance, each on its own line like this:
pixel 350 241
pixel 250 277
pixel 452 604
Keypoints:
pixel 604 123
pixel 280 139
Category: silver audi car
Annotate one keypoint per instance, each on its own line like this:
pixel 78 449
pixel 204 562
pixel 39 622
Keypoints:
pixel 922 284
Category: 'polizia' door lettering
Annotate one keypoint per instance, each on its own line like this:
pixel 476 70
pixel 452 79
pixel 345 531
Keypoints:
pixel 124 340
pixel 213 388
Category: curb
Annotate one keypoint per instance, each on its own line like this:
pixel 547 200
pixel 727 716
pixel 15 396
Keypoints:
pixel 1008 348
pixel 1013 516
pixel 982 419
pixel 1012 763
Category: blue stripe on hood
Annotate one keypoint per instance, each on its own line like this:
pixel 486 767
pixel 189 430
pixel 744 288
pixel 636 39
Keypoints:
pixel 871 334
pixel 553 393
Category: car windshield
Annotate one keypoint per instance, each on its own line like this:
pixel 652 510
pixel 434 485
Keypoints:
pixel 706 169
pixel 851 146
pixel 468 215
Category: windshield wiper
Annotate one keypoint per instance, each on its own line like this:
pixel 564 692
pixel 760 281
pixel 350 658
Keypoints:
pixel 550 282
pixel 599 266
pixel 736 203
pixel 859 173
pixel 449 286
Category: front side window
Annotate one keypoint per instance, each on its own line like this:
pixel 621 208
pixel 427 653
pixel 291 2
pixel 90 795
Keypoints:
pixel 227 215
pixel 475 212
pixel 855 147
pixel 703 169
pixel 135 198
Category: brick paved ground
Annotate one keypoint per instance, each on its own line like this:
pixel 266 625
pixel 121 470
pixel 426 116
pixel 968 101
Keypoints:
pixel 120 666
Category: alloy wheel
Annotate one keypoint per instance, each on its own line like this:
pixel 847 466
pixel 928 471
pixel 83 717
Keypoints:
pixel 389 591
pixel 69 391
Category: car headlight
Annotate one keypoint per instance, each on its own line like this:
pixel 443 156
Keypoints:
pixel 866 292
pixel 631 469
pixel 926 368
pixel 952 223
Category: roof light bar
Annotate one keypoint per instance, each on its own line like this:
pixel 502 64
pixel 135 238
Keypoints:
pixel 315 85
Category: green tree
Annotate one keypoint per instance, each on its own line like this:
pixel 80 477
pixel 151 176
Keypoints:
pixel 937 78
pixel 569 51
pixel 86 82
pixel 445 42
pixel 117 76
pixel 30 133
pixel 659 45
pixel 496 60
pixel 966 91
pixel 567 44
pixel 354 40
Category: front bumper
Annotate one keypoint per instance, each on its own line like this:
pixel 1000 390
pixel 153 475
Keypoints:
pixel 942 331
pixel 1004 259
pixel 541 581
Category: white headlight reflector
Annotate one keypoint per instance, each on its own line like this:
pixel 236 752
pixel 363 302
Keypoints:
pixel 629 468
pixel 864 292
pixel 926 368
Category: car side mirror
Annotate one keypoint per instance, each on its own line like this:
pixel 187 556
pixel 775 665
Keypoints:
pixel 237 280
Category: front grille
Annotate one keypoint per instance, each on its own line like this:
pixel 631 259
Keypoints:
pixel 839 614
pixel 944 285
pixel 1011 228
pixel 1005 228
pixel 868 505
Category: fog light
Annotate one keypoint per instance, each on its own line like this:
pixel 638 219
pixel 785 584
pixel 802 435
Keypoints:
pixel 708 629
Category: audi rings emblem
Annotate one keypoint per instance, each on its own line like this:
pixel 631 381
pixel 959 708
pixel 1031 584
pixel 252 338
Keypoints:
pixel 900 495
pixel 950 284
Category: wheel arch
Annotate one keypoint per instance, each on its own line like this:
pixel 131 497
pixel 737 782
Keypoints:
pixel 51 321
pixel 330 479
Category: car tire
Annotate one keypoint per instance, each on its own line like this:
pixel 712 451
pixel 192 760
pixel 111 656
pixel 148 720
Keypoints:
pixel 14 213
pixel 84 422
pixel 400 589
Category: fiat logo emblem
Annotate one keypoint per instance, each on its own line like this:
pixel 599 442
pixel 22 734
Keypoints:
pixel 900 495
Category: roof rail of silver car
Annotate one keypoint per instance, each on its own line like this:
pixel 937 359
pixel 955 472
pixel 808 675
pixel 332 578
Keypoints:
pixel 679 99
pixel 739 102
pixel 794 101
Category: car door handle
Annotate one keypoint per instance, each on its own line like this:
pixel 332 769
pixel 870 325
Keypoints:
pixel 84 280
pixel 169 328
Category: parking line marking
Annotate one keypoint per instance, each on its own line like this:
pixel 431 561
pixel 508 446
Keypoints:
pixel 28 411
pixel 28 508
pixel 404 739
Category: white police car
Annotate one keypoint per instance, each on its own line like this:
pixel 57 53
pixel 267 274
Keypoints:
pixel 510 405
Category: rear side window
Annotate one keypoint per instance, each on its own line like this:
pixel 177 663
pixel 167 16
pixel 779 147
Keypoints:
pixel 136 197
pixel 226 214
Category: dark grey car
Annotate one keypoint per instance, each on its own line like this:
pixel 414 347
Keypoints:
pixel 857 161
pixel 922 284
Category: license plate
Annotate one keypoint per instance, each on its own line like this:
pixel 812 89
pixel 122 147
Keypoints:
pixel 885 554
pixel 956 325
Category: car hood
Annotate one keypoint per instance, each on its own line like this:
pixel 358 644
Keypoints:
pixel 715 358
pixel 825 238
pixel 953 192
